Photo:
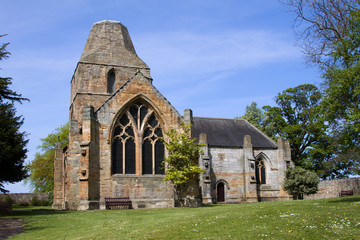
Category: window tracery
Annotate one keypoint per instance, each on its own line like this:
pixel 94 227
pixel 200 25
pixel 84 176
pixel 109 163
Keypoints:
pixel 260 171
pixel 135 142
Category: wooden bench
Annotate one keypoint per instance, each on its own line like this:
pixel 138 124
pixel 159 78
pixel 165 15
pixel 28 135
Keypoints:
pixel 118 203
pixel 346 193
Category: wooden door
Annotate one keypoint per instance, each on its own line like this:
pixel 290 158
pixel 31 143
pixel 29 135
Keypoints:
pixel 220 192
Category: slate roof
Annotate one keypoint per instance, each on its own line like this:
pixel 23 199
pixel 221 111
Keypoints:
pixel 230 132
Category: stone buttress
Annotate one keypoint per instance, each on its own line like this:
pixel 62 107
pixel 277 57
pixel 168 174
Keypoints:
pixel 116 122
pixel 109 78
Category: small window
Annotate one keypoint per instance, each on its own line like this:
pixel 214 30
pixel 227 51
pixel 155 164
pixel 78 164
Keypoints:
pixel 111 82
pixel 260 171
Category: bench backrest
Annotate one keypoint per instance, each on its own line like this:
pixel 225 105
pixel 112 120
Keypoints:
pixel 120 199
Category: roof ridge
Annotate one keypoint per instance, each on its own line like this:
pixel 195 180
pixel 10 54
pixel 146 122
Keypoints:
pixel 220 118
pixel 261 132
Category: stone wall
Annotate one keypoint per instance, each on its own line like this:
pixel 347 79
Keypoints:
pixel 24 197
pixel 332 188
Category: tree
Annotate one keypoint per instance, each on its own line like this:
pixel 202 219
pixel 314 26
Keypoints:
pixel 342 96
pixel 299 119
pixel 254 115
pixel 321 23
pixel 5 92
pixel 331 39
pixel 182 166
pixel 182 163
pixel 42 167
pixel 12 146
pixel 12 140
pixel 299 181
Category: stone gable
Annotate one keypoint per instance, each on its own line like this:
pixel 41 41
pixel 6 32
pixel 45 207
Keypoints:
pixel 116 120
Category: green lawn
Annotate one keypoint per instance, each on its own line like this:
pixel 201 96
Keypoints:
pixel 336 218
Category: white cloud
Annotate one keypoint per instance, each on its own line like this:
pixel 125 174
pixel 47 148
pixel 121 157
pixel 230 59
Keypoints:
pixel 211 52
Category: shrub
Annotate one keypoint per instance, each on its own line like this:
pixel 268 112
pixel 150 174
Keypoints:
pixel 44 202
pixel 51 198
pixel 9 200
pixel 34 201
pixel 23 204
pixel 299 181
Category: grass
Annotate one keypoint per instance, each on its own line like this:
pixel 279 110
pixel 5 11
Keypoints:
pixel 336 218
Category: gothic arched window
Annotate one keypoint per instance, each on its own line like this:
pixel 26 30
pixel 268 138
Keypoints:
pixel 260 171
pixel 135 142
pixel 111 82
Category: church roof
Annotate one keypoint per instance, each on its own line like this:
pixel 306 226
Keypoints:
pixel 230 132
pixel 109 43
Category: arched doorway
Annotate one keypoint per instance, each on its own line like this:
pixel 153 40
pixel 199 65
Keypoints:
pixel 220 192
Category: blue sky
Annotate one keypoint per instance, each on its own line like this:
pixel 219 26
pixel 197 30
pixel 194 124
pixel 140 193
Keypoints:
pixel 214 57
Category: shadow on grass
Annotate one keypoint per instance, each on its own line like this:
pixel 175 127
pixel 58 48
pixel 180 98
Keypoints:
pixel 32 212
pixel 346 199
pixel 209 205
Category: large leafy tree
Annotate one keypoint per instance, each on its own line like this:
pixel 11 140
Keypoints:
pixel 330 34
pixel 342 95
pixel 299 119
pixel 42 167
pixel 12 140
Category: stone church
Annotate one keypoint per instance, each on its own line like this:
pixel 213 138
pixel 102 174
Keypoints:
pixel 115 121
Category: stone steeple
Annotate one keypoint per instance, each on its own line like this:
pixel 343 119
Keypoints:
pixel 109 43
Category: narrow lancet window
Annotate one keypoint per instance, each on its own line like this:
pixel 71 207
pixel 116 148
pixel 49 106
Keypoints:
pixel 260 172
pixel 111 82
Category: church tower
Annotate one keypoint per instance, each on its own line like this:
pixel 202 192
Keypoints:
pixel 107 62
pixel 116 120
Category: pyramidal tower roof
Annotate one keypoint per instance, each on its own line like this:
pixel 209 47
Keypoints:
pixel 109 43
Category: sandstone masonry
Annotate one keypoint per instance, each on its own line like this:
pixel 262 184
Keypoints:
pixel 116 120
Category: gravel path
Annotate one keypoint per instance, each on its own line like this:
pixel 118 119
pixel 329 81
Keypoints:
pixel 10 227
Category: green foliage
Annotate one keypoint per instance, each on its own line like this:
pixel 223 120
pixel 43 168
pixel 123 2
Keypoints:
pixel 51 198
pixel 61 133
pixel 5 92
pixel 254 115
pixel 42 167
pixel 12 145
pixel 34 201
pixel 342 97
pixel 299 119
pixel 183 156
pixel 23 204
pixel 331 39
pixel 9 200
pixel 12 141
pixel 299 181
